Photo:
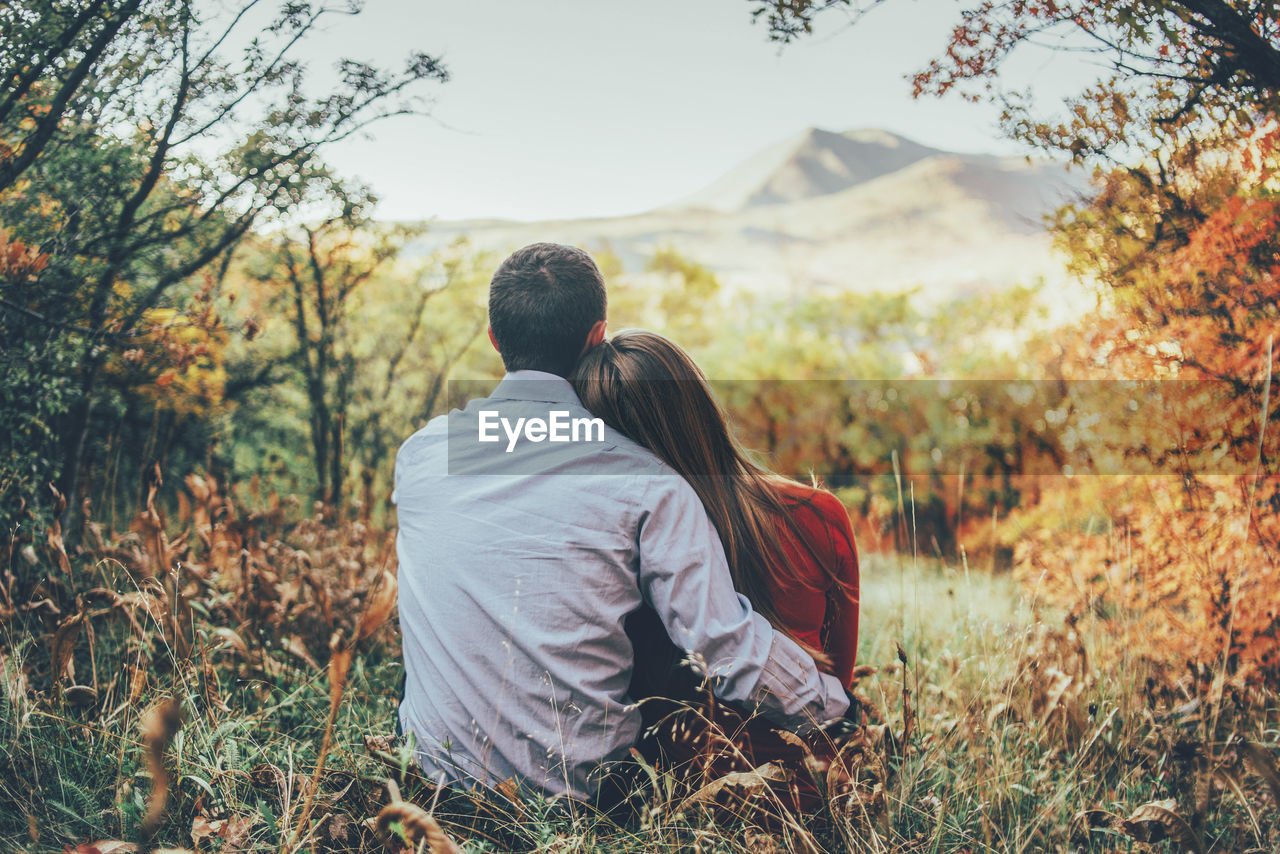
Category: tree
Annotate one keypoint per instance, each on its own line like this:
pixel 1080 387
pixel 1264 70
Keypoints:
pixel 429 328
pixel 1182 231
pixel 348 355
pixel 30 401
pixel 353 341
pixel 321 266
pixel 139 148
pixel 1199 53
pixel 48 51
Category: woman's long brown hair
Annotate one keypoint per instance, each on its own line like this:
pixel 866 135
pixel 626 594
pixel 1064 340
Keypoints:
pixel 649 389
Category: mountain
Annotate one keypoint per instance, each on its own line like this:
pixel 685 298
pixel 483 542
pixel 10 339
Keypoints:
pixel 863 210
pixel 815 163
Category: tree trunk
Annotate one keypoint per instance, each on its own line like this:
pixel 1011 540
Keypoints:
pixel 75 434
pixel 335 464
pixel 320 431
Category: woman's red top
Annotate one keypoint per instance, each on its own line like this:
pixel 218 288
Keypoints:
pixel 821 611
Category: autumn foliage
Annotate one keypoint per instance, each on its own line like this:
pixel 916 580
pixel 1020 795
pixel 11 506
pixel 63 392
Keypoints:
pixel 1187 568
pixel 19 262
pixel 251 582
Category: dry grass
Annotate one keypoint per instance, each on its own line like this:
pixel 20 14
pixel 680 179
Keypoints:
pixel 211 708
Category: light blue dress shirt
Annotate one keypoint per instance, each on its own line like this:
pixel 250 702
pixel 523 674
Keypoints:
pixel 518 564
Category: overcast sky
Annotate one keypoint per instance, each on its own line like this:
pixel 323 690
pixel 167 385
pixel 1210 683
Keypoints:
pixel 600 107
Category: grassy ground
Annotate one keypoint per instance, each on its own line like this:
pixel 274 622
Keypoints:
pixel 1019 736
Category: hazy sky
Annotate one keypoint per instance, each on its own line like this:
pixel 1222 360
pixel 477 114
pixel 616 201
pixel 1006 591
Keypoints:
pixel 596 107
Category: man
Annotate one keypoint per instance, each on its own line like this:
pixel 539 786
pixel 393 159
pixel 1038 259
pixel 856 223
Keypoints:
pixel 521 554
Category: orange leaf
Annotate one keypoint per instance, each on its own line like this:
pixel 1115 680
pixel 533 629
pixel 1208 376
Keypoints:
pixel 63 644
pixel 379 606
pixel 339 664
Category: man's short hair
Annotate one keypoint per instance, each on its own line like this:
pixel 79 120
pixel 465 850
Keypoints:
pixel 543 301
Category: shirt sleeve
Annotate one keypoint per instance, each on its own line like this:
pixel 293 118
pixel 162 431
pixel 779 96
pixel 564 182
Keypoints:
pixel 684 576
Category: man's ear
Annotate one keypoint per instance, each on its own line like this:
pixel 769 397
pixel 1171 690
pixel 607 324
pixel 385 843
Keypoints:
pixel 494 341
pixel 596 335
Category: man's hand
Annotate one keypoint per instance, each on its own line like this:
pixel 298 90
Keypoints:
pixel 845 726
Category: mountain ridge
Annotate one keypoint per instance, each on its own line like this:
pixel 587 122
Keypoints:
pixel 860 210
pixel 812 163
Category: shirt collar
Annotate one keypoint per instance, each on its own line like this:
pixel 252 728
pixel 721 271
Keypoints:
pixel 536 386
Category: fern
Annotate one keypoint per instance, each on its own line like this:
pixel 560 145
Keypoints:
pixel 85 807
pixel 7 715
pixel 231 754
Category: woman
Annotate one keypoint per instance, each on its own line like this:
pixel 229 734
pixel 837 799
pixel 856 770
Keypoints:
pixel 790 547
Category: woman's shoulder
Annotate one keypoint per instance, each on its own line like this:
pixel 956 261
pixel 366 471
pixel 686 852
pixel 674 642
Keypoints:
pixel 819 512
pixel 821 520
pixel 820 501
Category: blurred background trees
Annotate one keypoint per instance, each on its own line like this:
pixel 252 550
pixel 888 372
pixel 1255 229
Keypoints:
pixel 353 340
pixel 140 141
pixel 186 284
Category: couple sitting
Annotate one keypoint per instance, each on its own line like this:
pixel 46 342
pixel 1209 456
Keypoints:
pixel 549 580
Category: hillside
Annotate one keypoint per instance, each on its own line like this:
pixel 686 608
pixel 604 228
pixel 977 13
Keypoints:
pixel 863 210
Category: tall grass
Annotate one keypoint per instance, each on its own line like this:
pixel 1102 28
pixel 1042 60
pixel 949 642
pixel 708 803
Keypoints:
pixel 1024 736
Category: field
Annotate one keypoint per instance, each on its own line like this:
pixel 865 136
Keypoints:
pixel 1018 740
